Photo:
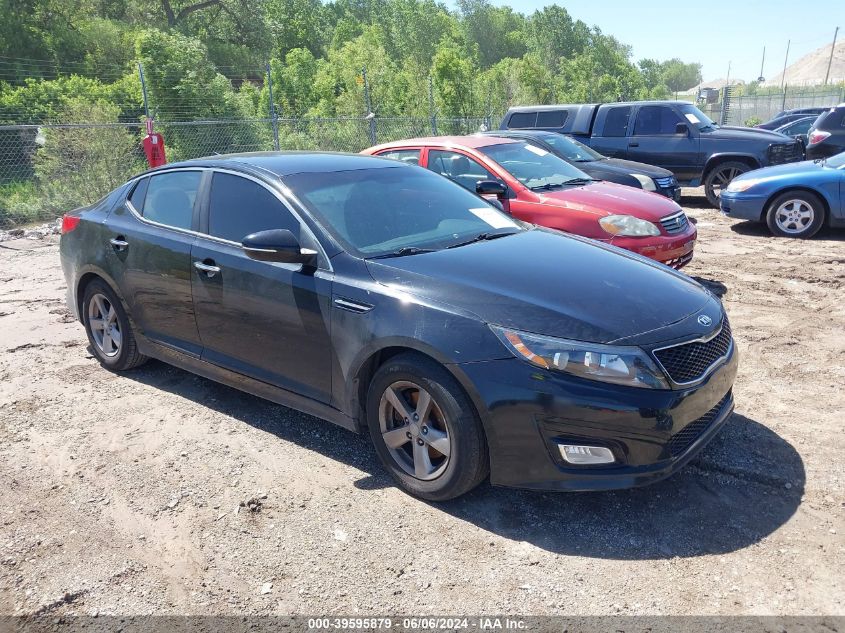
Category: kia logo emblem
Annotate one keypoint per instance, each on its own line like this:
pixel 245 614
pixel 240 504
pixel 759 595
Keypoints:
pixel 705 320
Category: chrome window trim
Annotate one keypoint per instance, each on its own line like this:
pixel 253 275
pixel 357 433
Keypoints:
pixel 221 240
pixel 701 339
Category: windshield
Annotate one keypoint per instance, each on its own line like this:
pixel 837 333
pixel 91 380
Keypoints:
pixel 375 212
pixel 696 117
pixel 571 149
pixel 837 161
pixel 534 167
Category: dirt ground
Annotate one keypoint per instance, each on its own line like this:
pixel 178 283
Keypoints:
pixel 121 494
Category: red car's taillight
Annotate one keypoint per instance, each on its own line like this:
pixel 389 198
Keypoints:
pixel 69 222
pixel 817 136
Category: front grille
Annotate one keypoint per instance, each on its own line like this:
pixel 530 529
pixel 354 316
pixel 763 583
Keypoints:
pixel 684 438
pixel 780 153
pixel 689 362
pixel 666 183
pixel 675 223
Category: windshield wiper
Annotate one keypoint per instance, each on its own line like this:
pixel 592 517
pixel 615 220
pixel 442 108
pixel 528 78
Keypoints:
pixel 578 181
pixel 481 237
pixel 405 250
pixel 547 187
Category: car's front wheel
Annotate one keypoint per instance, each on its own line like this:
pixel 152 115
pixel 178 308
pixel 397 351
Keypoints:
pixel 795 214
pixel 719 177
pixel 108 328
pixel 425 429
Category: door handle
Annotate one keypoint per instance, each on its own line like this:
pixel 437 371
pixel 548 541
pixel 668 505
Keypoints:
pixel 633 144
pixel 119 243
pixel 209 269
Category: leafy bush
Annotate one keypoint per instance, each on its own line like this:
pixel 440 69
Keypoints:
pixel 77 166
pixel 752 121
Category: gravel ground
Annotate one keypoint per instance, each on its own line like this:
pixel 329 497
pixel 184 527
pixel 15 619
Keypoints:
pixel 160 492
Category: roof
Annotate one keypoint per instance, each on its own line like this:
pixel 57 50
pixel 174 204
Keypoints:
pixel 289 163
pixel 558 106
pixel 449 141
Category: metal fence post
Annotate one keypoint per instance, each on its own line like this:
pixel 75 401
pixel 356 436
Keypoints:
pixel 371 116
pixel 432 113
pixel 144 89
pixel 274 119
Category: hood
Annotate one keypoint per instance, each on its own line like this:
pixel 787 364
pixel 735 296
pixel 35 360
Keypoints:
pixel 548 283
pixel 746 133
pixel 805 167
pixel 607 198
pixel 632 167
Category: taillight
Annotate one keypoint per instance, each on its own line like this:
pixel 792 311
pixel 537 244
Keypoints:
pixel 817 136
pixel 69 222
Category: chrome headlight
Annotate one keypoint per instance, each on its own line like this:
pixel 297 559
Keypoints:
pixel 606 363
pixel 645 182
pixel 628 226
pixel 737 186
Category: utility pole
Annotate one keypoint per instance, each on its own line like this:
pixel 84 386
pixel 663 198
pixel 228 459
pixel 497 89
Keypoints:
pixel 761 78
pixel 431 112
pixel 830 61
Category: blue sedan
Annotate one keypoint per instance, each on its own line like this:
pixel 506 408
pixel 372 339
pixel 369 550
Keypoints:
pixel 794 200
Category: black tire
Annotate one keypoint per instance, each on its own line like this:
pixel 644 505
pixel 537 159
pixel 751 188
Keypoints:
pixel 468 462
pixel 126 355
pixel 720 177
pixel 779 221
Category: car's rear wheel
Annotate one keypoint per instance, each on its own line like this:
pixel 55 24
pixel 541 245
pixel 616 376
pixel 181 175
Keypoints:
pixel 425 429
pixel 720 177
pixel 108 328
pixel 795 214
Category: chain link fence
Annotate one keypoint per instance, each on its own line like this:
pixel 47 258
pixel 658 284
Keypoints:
pixel 48 169
pixel 751 109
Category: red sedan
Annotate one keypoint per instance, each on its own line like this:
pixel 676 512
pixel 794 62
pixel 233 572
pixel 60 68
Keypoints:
pixel 538 187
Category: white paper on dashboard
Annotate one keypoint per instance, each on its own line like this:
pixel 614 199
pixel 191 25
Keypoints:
pixel 536 150
pixel 492 217
pixel 692 118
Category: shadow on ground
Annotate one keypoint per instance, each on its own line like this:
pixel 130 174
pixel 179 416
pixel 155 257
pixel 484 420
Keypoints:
pixel 760 229
pixel 746 484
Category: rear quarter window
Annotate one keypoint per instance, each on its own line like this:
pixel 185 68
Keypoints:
pixel 522 120
pixel 551 118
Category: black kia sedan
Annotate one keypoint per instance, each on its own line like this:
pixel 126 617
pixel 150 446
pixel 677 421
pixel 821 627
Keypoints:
pixel 385 298
pixel 599 166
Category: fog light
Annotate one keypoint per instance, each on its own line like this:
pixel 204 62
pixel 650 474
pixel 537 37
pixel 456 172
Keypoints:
pixel 575 454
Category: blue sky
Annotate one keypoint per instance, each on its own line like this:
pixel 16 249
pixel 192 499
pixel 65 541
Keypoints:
pixel 712 33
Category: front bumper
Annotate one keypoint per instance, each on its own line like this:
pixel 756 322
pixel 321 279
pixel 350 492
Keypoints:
pixel 742 206
pixel 673 250
pixel 528 412
pixel 673 192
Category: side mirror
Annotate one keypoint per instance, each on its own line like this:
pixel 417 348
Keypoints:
pixel 681 128
pixel 278 245
pixel 491 188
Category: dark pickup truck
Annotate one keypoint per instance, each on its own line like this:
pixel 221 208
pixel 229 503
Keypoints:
pixel 674 135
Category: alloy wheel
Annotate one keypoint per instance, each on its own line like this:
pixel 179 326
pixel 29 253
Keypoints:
pixel 794 216
pixel 414 430
pixel 722 178
pixel 105 326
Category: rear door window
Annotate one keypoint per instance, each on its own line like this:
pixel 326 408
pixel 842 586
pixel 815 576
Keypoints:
pixel 616 121
pixel 170 198
pixel 656 121
pixel 462 169
pixel 522 120
pixel 551 118
pixel 410 156
pixel 238 207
